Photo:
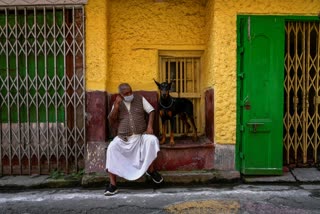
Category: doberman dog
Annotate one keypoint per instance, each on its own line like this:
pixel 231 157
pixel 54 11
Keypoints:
pixel 169 107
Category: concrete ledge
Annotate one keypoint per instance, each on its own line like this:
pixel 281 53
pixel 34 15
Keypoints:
pixel 300 175
pixel 170 177
pixel 38 181
pixel 200 177
pixel 287 177
pixel 306 174
pixel 98 180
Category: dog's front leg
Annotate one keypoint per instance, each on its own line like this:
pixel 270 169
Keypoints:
pixel 171 131
pixel 164 130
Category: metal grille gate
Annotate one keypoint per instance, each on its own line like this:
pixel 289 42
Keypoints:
pixel 302 93
pixel 42 89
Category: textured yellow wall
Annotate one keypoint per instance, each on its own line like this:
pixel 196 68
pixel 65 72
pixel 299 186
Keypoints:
pixel 96 45
pixel 123 38
pixel 220 65
pixel 139 28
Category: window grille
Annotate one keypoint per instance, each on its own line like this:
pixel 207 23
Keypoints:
pixel 42 89
pixel 183 69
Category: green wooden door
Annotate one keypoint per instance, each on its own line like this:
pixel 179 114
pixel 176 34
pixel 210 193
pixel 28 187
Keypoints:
pixel 260 94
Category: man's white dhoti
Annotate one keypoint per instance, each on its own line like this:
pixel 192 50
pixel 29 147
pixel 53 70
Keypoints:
pixel 131 159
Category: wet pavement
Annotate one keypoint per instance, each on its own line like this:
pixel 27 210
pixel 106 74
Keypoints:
pixel 218 198
pixel 296 191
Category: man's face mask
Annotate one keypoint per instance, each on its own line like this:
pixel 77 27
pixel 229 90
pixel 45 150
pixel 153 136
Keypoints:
pixel 128 98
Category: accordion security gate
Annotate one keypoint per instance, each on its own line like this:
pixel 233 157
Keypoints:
pixel 302 94
pixel 42 89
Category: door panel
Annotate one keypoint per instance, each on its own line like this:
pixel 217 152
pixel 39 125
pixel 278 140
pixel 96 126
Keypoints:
pixel 260 100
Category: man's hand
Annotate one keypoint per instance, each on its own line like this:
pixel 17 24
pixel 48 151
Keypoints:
pixel 113 115
pixel 118 100
pixel 150 123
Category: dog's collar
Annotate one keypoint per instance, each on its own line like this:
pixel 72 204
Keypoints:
pixel 172 100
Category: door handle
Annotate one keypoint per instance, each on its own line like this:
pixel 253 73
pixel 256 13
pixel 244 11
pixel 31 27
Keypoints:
pixel 255 125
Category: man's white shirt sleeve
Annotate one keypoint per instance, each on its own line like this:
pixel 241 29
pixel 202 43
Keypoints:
pixel 147 106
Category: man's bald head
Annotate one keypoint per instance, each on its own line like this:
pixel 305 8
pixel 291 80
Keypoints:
pixel 124 87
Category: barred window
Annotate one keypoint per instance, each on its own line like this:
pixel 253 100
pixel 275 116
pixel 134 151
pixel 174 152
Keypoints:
pixel 183 69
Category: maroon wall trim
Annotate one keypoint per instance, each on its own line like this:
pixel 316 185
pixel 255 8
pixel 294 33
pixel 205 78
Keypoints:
pixel 96 105
pixel 209 111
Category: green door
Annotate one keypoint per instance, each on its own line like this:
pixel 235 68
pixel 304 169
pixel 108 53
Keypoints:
pixel 260 94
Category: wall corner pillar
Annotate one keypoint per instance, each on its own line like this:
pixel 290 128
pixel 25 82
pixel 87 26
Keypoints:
pixel 96 116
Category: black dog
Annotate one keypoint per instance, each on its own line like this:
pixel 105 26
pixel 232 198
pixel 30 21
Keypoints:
pixel 169 107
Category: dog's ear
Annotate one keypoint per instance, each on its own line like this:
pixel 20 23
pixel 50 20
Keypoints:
pixel 158 84
pixel 169 86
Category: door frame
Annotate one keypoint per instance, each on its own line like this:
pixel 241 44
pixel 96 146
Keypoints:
pixel 239 142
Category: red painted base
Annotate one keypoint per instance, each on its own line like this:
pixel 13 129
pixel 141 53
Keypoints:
pixel 186 155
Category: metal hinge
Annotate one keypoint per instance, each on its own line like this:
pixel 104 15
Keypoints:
pixel 241 49
pixel 241 75
pixel 241 155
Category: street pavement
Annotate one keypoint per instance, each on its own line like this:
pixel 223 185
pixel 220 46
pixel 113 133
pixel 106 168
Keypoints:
pixel 297 191
pixel 217 198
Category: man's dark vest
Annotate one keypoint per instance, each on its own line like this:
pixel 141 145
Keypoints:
pixel 133 121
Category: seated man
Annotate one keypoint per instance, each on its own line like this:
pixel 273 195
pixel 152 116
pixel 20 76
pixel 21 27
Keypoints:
pixel 133 151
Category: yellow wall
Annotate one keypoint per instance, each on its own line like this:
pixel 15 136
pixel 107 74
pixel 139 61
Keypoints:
pixel 123 38
pixel 96 45
pixel 220 64
pixel 139 28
